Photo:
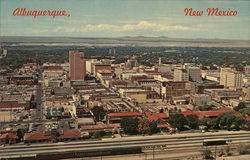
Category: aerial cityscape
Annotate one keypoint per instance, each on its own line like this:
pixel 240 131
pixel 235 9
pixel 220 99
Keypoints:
pixel 130 86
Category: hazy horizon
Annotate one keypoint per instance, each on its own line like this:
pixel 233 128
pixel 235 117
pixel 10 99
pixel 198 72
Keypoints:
pixel 141 36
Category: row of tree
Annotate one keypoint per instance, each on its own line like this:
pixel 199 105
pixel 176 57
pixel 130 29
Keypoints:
pixel 227 121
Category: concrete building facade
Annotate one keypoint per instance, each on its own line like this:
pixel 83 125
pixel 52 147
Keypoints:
pixel 231 78
pixel 181 75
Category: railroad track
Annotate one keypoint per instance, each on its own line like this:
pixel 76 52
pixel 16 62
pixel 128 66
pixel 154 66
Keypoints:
pixel 168 142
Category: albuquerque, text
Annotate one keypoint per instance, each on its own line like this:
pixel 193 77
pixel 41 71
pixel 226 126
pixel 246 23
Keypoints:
pixel 35 13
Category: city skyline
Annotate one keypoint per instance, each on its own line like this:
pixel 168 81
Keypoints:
pixel 127 18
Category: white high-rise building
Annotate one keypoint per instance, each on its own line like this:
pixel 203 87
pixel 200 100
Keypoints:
pixel 181 75
pixel 223 75
pixel 194 74
pixel 231 78
pixel 90 65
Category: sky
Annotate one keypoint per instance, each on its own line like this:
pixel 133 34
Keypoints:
pixel 118 18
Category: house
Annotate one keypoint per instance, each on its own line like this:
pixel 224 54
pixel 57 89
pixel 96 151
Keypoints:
pixel 70 135
pixel 8 138
pixel 160 118
pixel 36 137
pixel 54 136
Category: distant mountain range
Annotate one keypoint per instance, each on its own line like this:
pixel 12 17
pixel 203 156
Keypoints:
pixel 122 41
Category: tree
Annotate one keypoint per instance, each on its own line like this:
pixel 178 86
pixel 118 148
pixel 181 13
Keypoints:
pixel 207 154
pixel 144 126
pixel 210 123
pixel 129 125
pixel 54 134
pixel 230 121
pixel 238 123
pixel 228 151
pixel 178 121
pixel 175 109
pixel 240 106
pixel 98 112
pixel 161 110
pixel 36 81
pixel 99 134
pixel 214 123
pixel 20 134
pixel 153 127
pixel 192 121
pixel 245 111
pixel 226 121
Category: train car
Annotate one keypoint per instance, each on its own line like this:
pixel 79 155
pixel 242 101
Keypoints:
pixel 126 150
pixel 90 153
pixel 213 142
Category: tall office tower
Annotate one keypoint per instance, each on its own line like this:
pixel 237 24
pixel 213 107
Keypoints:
pixel 5 52
pixel 112 51
pixel 90 65
pixel 131 63
pixel 235 79
pixel 77 66
pixel 194 74
pixel 231 78
pixel 159 61
pixel 181 75
pixel 223 76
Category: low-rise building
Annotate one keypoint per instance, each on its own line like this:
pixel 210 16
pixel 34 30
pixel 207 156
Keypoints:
pixel 200 99
pixel 105 74
pixel 117 117
pixel 208 114
pixel 8 138
pixel 200 87
pixel 22 79
pixel 174 89
pixel 223 94
pixel 54 136
pixel 109 128
pixel 143 96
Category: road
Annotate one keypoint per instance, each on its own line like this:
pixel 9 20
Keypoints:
pixel 168 142
pixel 39 95
pixel 38 99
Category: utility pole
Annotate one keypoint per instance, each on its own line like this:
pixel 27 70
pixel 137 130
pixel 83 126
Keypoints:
pixel 153 152
pixel 215 152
